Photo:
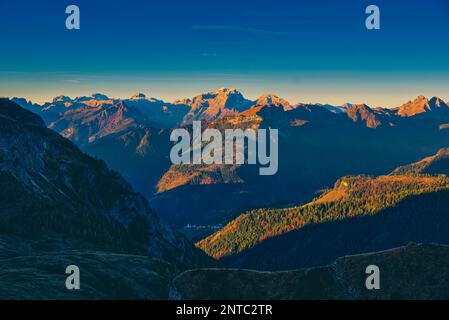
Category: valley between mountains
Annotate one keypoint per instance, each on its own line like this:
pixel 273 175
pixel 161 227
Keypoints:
pixel 89 180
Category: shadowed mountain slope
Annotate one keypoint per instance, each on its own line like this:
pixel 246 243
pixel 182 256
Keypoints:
pixel 52 193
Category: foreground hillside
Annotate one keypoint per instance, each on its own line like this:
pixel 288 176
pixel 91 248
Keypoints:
pixel 35 269
pixel 411 272
pixel 351 197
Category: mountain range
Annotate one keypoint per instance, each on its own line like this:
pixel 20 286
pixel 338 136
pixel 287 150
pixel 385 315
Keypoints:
pixel 138 129
pixel 352 179
pixel 60 203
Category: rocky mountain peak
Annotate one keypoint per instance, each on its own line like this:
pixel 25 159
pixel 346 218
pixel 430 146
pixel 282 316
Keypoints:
pixel 61 98
pixel 270 99
pixel 138 96
pixel 213 104
pixel 421 105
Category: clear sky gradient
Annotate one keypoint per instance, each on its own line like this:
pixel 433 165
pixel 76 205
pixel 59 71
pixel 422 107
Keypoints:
pixel 302 50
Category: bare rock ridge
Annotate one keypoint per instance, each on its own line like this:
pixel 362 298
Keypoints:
pixel 422 105
pixel 213 104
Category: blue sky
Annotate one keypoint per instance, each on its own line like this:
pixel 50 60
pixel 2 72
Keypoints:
pixel 303 50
